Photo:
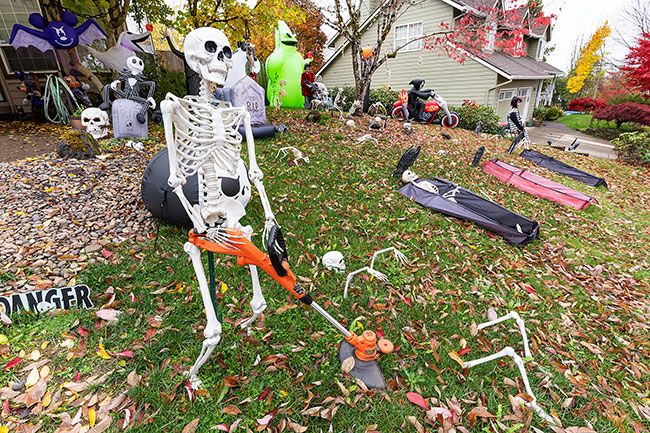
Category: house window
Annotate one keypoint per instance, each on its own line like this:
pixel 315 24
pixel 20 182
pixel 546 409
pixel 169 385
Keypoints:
pixel 506 94
pixel 24 59
pixel 406 33
pixel 541 46
pixel 490 36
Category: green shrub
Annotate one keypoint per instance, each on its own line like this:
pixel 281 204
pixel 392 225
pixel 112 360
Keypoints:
pixel 633 97
pixel 633 147
pixel 553 112
pixel 471 113
pixel 385 96
pixel 166 81
pixel 539 113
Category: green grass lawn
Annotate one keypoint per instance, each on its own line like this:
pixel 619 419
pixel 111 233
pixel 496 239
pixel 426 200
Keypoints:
pixel 577 122
pixel 582 289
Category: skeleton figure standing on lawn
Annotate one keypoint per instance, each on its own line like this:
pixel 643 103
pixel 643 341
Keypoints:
pixel 202 137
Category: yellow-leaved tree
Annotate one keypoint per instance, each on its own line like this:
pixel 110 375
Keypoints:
pixel 589 56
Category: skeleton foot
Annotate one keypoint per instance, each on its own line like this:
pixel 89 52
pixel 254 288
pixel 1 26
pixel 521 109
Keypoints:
pixel 206 350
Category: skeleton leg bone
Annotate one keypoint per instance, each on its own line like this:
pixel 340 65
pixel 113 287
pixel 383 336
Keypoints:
pixel 509 351
pixel 258 303
pixel 212 331
pixel 520 323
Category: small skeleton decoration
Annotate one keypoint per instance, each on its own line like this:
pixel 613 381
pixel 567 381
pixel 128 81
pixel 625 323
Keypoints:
pixel 377 109
pixel 297 155
pixel 367 137
pixel 129 85
pixel 519 361
pixel 355 109
pixel 407 128
pixel 399 256
pixel 339 99
pixel 314 104
pixel 377 124
pixel 95 122
pixel 281 93
pixel 350 123
pixel 202 137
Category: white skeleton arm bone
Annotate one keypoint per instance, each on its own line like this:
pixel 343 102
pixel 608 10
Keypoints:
pixel 399 256
pixel 376 274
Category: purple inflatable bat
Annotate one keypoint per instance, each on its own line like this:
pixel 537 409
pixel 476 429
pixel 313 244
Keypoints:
pixel 56 34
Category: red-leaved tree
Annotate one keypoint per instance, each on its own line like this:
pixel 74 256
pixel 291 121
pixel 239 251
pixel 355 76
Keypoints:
pixel 637 64
pixel 586 104
pixel 631 112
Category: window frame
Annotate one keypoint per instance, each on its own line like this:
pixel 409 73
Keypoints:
pixel 409 39
pixel 512 91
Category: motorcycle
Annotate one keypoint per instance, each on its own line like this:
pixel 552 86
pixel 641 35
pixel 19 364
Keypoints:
pixel 432 110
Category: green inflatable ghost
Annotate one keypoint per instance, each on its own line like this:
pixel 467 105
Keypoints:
pixel 284 67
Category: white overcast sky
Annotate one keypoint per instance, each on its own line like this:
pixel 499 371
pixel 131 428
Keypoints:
pixel 575 19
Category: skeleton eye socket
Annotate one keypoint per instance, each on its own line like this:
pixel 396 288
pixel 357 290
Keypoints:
pixel 97 119
pixel 226 52
pixel 211 46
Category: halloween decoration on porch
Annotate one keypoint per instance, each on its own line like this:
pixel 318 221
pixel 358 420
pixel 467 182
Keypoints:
pixel 130 85
pixel 510 352
pixel 95 122
pixel 452 200
pixel 298 157
pixel 399 256
pixel 537 185
pixel 202 139
pixel 128 44
pixel 61 34
pixel 31 87
pixel 285 64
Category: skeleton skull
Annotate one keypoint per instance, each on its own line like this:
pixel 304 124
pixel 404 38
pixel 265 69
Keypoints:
pixel 334 261
pixel 408 176
pixel 208 53
pixel 135 65
pixel 95 122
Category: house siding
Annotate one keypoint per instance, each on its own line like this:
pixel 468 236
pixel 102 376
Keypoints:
pixel 502 107
pixel 452 80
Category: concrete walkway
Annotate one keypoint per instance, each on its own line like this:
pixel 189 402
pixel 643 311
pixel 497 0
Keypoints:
pixel 562 136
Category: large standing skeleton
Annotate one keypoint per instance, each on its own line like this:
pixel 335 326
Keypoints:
pixel 202 138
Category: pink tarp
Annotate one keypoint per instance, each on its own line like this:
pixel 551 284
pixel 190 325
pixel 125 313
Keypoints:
pixel 537 185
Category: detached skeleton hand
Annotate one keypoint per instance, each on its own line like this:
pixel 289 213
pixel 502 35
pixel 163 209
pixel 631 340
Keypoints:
pixel 399 256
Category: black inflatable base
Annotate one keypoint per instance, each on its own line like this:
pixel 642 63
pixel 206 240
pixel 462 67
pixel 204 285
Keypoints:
pixel 159 198
pixel 262 131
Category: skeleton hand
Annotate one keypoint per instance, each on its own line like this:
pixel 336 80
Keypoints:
pixel 255 173
pixel 152 103
pixel 270 222
pixel 114 84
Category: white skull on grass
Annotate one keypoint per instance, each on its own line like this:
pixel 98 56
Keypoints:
pixel 334 261
pixel 408 176
pixel 208 52
pixel 95 122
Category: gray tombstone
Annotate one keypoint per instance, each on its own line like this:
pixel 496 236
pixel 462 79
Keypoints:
pixel 125 123
pixel 248 94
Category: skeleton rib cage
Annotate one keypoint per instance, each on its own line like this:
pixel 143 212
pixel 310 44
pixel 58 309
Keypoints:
pixel 203 133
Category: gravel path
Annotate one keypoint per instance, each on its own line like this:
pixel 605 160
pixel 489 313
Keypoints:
pixel 56 215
